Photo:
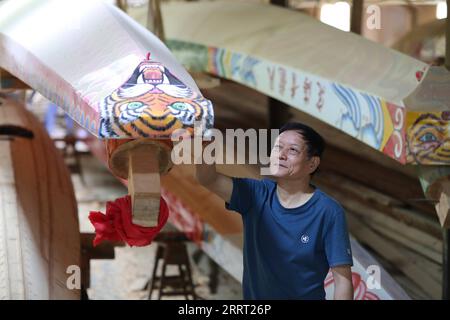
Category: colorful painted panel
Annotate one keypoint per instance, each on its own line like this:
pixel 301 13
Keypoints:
pixel 152 103
pixel 368 118
pixel 428 138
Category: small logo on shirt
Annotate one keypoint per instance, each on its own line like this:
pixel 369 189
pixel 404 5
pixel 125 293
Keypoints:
pixel 304 238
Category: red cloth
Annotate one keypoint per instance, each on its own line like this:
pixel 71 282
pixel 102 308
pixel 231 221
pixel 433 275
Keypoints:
pixel 116 224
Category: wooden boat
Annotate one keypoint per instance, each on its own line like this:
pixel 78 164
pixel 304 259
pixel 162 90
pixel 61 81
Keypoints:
pixel 39 234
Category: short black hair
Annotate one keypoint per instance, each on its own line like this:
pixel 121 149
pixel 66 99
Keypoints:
pixel 315 144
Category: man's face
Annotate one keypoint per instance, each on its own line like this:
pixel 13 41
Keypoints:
pixel 289 158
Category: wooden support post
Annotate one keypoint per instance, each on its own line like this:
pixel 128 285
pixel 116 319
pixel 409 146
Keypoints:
pixel 141 162
pixel 446 238
pixel 156 26
pixel 123 5
pixel 447 38
pixel 154 19
pixel 144 184
pixel 356 16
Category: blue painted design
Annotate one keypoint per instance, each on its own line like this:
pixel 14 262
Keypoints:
pixel 247 73
pixel 349 99
pixel 365 119
pixel 235 64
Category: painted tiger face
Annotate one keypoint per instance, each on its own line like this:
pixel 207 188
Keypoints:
pixel 428 140
pixel 152 103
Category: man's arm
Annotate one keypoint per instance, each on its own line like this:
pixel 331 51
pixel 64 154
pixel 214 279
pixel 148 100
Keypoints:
pixel 343 287
pixel 220 184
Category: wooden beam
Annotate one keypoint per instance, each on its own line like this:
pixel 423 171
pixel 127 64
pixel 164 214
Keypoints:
pixel 154 19
pixel 444 196
pixel 356 16
pixel 447 38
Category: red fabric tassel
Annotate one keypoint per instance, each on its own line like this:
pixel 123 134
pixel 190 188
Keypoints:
pixel 116 224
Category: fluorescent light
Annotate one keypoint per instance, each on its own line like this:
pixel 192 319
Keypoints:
pixel 441 10
pixel 336 15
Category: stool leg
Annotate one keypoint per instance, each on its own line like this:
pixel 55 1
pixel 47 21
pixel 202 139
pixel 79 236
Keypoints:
pixel 152 280
pixel 214 276
pixel 191 283
pixel 162 280
pixel 185 284
pixel 158 256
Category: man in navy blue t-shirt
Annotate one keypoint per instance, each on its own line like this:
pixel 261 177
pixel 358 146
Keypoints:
pixel 293 232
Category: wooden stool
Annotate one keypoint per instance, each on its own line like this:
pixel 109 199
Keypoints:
pixel 172 253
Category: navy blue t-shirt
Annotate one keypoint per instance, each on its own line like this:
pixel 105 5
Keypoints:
pixel 288 252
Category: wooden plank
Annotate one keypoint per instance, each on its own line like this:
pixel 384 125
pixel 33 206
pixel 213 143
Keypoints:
pixel 372 215
pixel 353 197
pixel 397 235
pixel 423 272
pixel 390 179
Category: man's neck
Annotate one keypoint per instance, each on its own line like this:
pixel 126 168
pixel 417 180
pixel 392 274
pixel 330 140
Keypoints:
pixel 294 193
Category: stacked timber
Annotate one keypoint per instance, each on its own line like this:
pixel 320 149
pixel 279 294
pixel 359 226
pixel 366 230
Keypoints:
pixel 406 239
pixel 39 233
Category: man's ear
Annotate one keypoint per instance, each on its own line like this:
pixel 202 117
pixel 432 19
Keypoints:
pixel 314 163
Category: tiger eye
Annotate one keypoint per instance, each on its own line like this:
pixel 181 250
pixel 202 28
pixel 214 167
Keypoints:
pixel 134 105
pixel 179 106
